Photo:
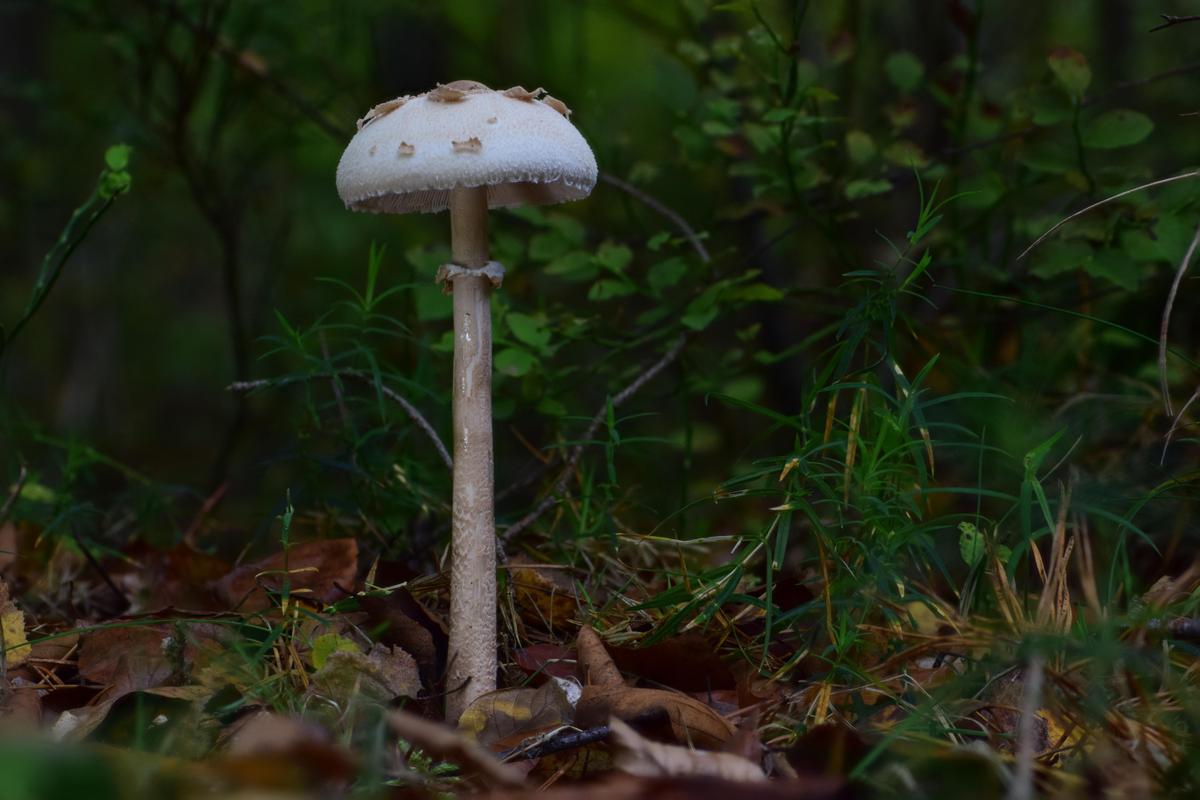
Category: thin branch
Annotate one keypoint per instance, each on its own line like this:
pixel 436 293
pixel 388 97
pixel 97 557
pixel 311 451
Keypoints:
pixel 362 377
pixel 1105 201
pixel 662 208
pixel 551 498
pixel 1176 423
pixel 1171 20
pixel 22 474
pixel 1166 320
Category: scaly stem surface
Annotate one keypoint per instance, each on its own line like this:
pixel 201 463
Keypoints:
pixel 472 652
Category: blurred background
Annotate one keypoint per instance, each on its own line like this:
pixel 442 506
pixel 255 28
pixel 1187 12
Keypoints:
pixel 763 166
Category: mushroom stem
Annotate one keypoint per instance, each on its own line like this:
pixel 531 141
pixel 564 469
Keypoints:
pixel 472 651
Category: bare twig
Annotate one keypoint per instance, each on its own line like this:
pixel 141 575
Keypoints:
pixel 560 484
pixel 1106 201
pixel 1176 423
pixel 662 208
pixel 22 474
pixel 1166 320
pixel 362 377
pixel 1171 20
pixel 1022 783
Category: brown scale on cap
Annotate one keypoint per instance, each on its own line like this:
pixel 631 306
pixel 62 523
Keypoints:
pixel 472 145
pixel 455 91
pixel 382 110
pixel 521 93
pixel 405 149
pixel 557 105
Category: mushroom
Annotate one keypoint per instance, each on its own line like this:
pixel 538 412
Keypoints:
pixel 465 147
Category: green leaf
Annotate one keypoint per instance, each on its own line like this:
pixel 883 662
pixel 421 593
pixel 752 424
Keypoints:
pixel 971 545
pixel 905 153
pixel 547 246
pixel 860 147
pixel 1057 257
pixel 858 189
pixel 667 273
pixel 1115 266
pixel 655 242
pixel 756 292
pixel 904 70
pixel 514 361
pixel 615 257
pixel 1119 127
pixel 608 289
pixel 326 645
pixel 576 265
pixel 1071 70
pixel 1048 105
pixel 114 183
pixel 528 329
pixel 117 157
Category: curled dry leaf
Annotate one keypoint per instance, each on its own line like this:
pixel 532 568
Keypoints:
pixel 547 659
pixel 688 662
pixel 320 572
pixel 639 756
pixel 692 722
pixel 499 720
pixel 596 667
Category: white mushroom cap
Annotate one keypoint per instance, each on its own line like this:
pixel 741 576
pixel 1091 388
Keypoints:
pixel 410 153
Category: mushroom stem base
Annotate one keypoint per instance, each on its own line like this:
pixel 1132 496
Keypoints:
pixel 472 651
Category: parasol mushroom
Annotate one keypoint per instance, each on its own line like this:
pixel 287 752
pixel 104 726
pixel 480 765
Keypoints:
pixel 467 148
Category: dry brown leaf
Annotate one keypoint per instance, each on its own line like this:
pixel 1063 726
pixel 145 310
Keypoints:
pixel 320 572
pixel 688 662
pixel 692 722
pixel 499 720
pixel 639 756
pixel 383 674
pixel 271 751
pixel 128 658
pixel 596 667
pixel 446 743
pixel 544 596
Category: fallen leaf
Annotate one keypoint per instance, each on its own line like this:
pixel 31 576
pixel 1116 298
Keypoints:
pixel 405 623
pixel 692 722
pixel 596 667
pixel 502 719
pixel 639 756
pixel 444 742
pixel 272 751
pixel 544 596
pixel 383 674
pixel 689 663
pixel 547 659
pixel 321 572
